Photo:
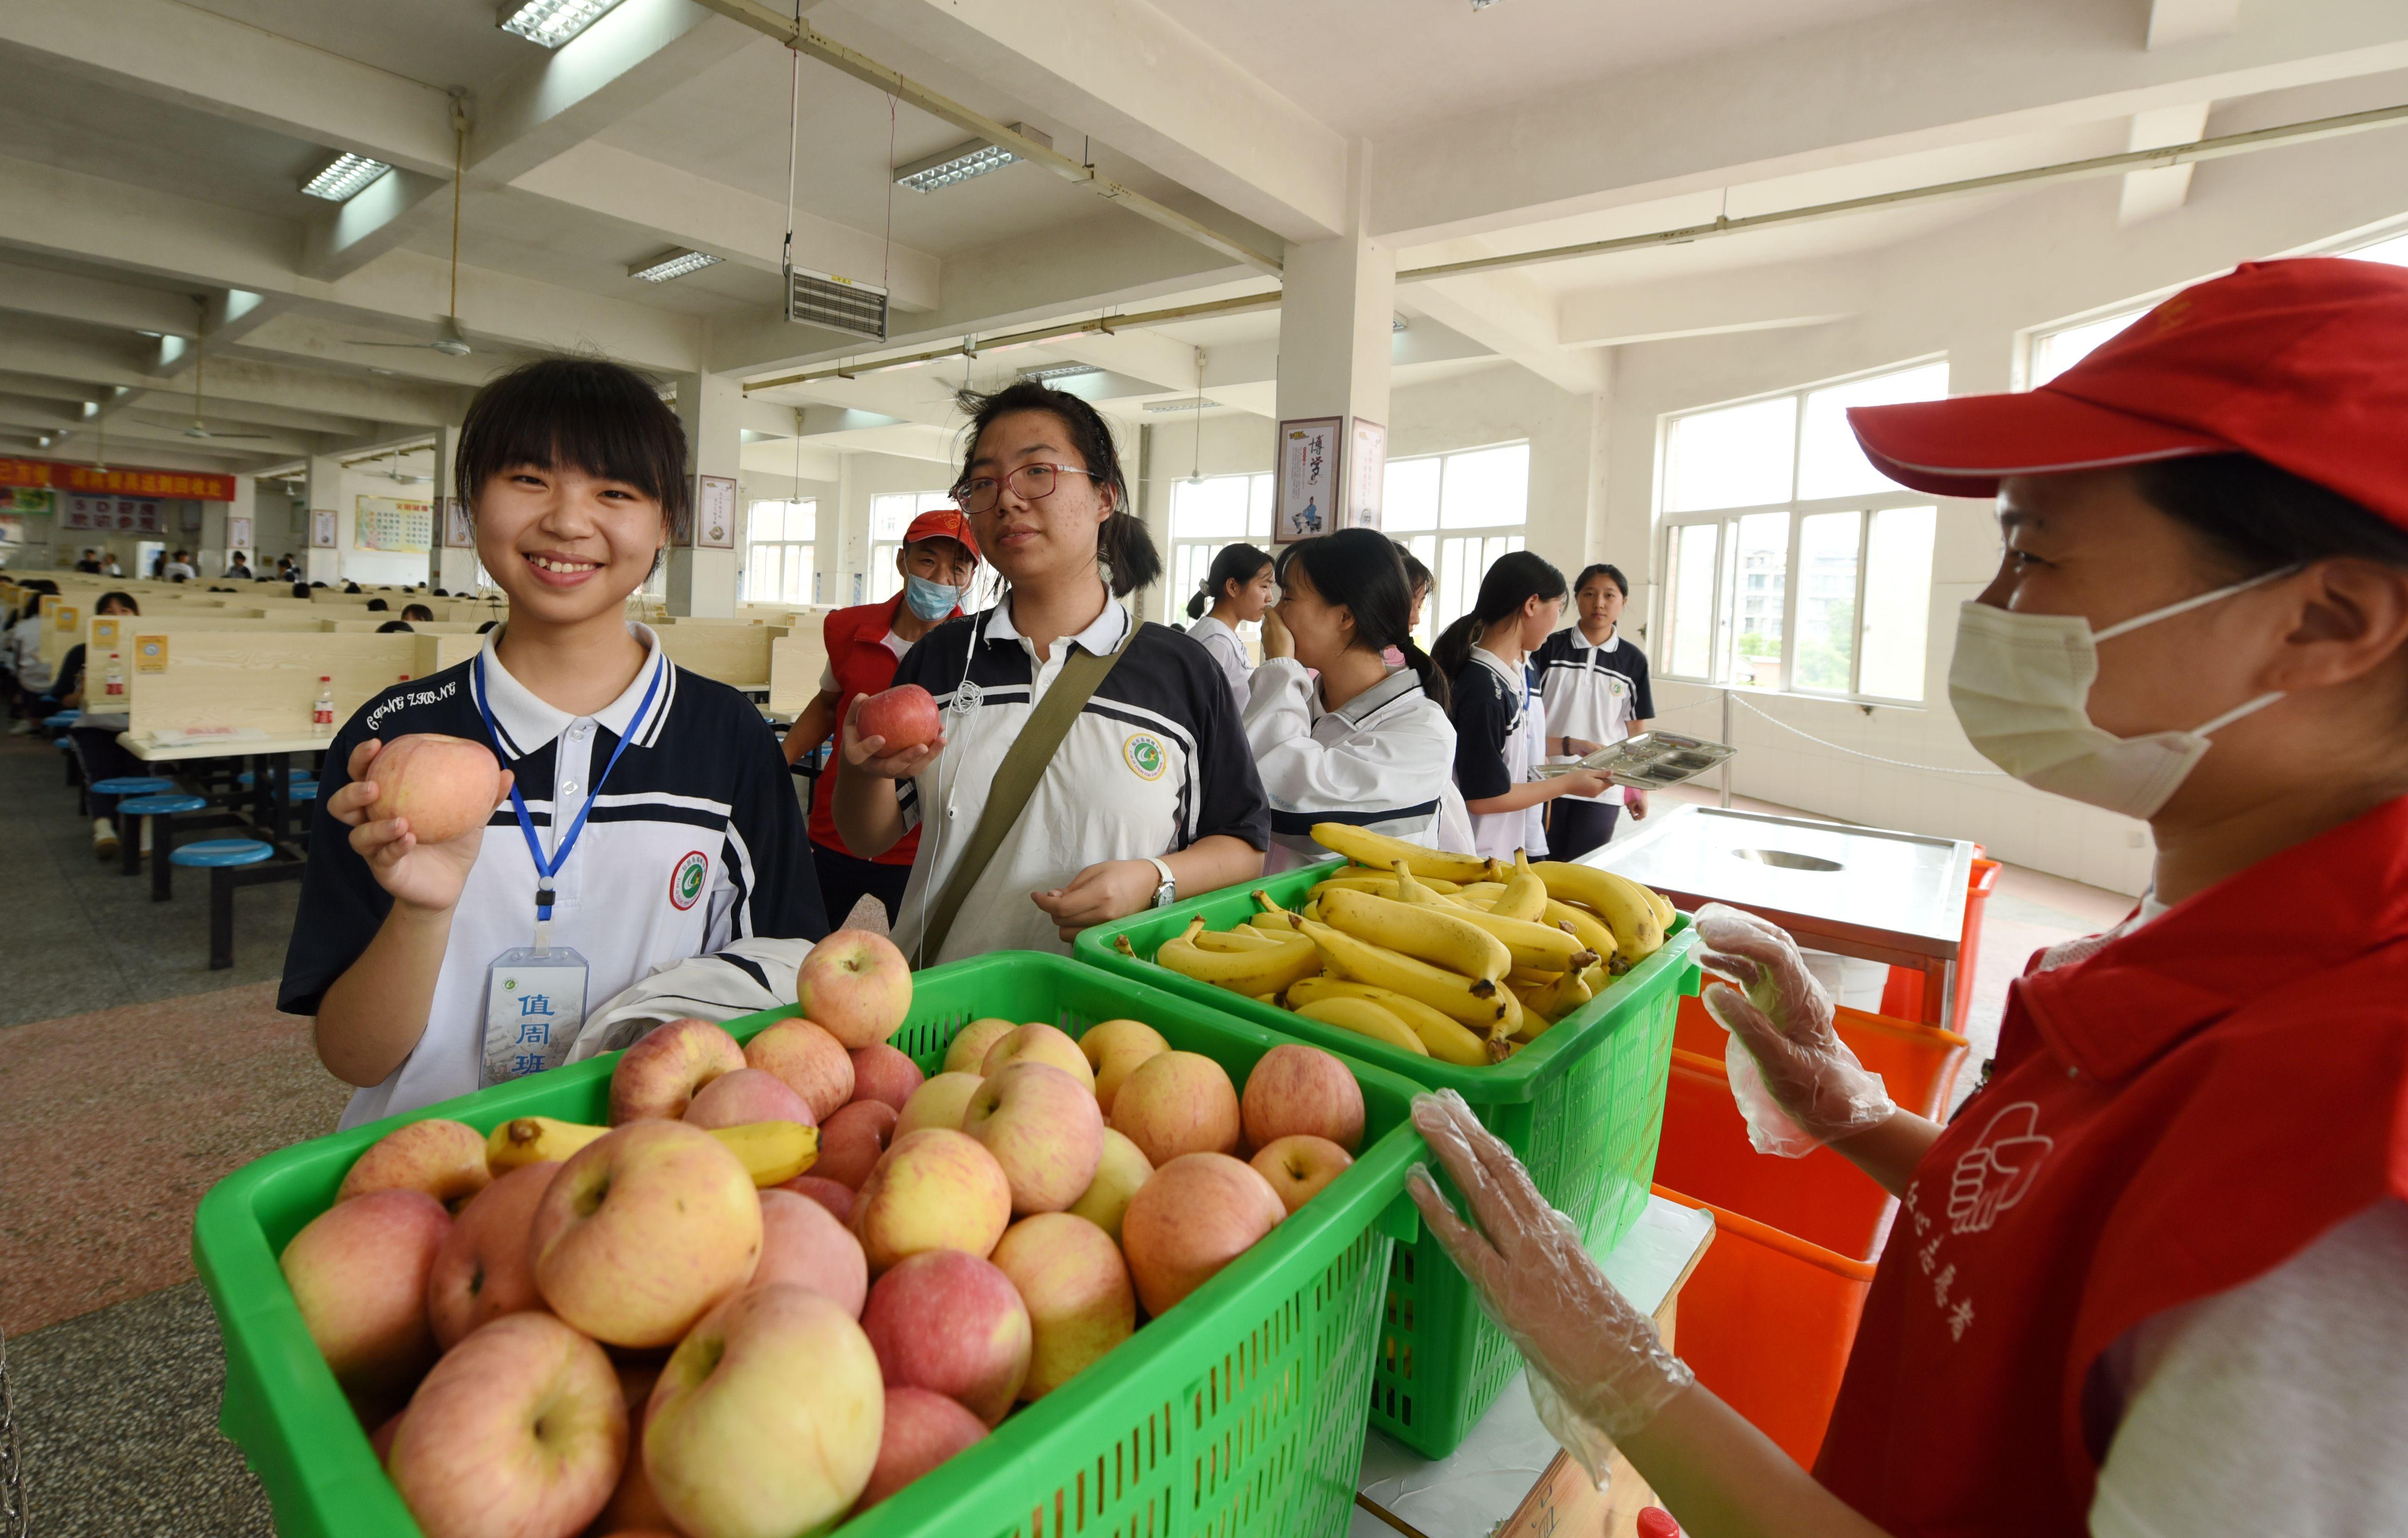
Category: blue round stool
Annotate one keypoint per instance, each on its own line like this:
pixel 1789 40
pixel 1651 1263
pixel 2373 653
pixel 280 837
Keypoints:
pixel 292 778
pixel 219 854
pixel 132 784
pixel 160 810
pixel 223 858
pixel 63 719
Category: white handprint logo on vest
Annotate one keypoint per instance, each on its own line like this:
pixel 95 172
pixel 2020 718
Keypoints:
pixel 1994 1173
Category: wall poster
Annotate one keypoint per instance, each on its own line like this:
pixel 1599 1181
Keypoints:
pixel 111 514
pixel 1368 464
pixel 321 528
pixel 238 532
pixel 714 520
pixel 456 532
pixel 393 526
pixel 1308 488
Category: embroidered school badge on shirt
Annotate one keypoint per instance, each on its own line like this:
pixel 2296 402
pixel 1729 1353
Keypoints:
pixel 686 881
pixel 1144 756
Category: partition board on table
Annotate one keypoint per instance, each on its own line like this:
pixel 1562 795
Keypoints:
pixel 797 661
pixel 267 681
pixel 735 655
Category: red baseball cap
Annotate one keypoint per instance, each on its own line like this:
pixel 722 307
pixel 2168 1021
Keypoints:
pixel 941 524
pixel 2302 363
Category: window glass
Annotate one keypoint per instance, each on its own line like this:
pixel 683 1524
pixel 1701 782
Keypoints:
pixel 1897 600
pixel 766 521
pixel 1826 602
pixel 1212 509
pixel 1258 509
pixel 2054 352
pixel 1425 549
pixel 1409 496
pixel 1690 587
pixel 1485 487
pixel 890 515
pixel 1754 600
pixel 1830 461
pixel 1736 457
pixel 2394 250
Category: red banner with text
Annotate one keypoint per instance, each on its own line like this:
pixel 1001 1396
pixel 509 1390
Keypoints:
pixel 116 481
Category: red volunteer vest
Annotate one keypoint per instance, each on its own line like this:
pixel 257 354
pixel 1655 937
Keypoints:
pixel 2179 1113
pixel 857 655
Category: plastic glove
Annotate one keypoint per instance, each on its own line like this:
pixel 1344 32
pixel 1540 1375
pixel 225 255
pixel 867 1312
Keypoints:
pixel 1795 1081
pixel 1598 1371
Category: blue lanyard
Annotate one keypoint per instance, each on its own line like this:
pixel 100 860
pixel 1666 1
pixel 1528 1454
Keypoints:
pixel 546 870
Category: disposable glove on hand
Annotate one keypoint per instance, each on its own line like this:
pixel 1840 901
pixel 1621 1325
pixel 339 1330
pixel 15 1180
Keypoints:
pixel 1598 1371
pixel 1795 1081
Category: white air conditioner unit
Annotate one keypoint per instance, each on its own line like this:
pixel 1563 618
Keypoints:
pixel 839 303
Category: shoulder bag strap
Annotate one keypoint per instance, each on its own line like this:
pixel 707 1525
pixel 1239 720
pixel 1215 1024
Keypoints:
pixel 1016 777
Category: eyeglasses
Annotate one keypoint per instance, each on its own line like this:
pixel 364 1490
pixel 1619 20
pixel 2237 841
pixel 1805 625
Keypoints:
pixel 1030 482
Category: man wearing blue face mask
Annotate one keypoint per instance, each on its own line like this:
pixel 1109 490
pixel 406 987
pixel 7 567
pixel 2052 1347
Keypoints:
pixel 864 643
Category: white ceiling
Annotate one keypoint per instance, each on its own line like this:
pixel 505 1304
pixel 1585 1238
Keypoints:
pixel 439 43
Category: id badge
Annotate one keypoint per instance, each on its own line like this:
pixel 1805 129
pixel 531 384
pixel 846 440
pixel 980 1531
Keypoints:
pixel 535 1001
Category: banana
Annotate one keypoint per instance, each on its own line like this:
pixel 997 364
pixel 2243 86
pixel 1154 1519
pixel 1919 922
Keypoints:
pixel 1249 973
pixel 1443 935
pixel 1364 847
pixel 1532 977
pixel 1364 1018
pixel 1310 910
pixel 771 1151
pixel 1366 881
pixel 1483 1006
pixel 1408 889
pixel 1591 929
pixel 1481 895
pixel 1540 946
pixel 1637 934
pixel 1446 1039
pixel 1230 942
pixel 1280 923
pixel 1665 912
pixel 1525 895
pixel 1558 998
pixel 1264 901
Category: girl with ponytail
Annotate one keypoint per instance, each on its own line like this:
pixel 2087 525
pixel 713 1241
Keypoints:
pixel 1366 744
pixel 1500 728
pixel 1235 591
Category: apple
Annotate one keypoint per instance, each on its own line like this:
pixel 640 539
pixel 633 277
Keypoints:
pixel 359 1272
pixel 746 1095
pixel 968 1048
pixel 660 1074
pixel 805 1243
pixel 836 1198
pixel 1120 1170
pixel 813 1064
pixel 445 1159
pixel 883 1073
pixel 1300 1165
pixel 446 787
pixel 906 716
pixel 923 1429
pixel 643 1230
pixel 485 1268
pixel 934 1190
pixel 940 1102
pixel 768 1417
pixel 1042 1127
pixel 854 1141
pixel 1198 1214
pixel 380 1440
pixel 1177 1103
pixel 1076 1286
pixel 1113 1049
pixel 1302 1089
pixel 1039 1045
pixel 519 1429
pixel 953 1324
pixel 858 985
pixel 634 1511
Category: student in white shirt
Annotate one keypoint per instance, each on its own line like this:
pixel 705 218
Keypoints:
pixel 1366 744
pixel 1239 586
pixel 1152 793
pixel 1499 726
pixel 1593 681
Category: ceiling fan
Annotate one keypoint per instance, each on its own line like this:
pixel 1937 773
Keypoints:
pixel 449 341
pixel 200 360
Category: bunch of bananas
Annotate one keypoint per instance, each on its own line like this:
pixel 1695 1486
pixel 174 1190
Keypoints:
pixel 1444 955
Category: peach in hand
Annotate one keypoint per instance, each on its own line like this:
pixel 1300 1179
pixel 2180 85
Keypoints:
pixel 445 786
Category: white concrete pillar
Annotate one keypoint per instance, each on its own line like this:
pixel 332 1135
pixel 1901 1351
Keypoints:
pixel 454 570
pixel 702 581
pixel 326 484
pixel 1337 314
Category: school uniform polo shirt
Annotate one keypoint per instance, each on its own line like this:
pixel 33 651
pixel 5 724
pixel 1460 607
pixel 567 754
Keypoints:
pixel 1156 761
pixel 1593 692
pixel 1500 729
pixel 695 840
pixel 1379 761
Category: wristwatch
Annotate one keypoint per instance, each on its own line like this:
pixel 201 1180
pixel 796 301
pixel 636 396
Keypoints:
pixel 1168 893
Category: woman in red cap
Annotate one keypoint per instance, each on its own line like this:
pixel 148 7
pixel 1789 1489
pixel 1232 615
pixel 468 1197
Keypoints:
pixel 2151 1279
pixel 937 559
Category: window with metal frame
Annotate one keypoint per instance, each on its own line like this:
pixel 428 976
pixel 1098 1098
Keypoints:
pixel 1205 516
pixel 778 551
pixel 1458 512
pixel 1789 562
pixel 890 516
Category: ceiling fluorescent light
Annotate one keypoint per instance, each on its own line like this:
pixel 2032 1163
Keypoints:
pixel 1164 407
pixel 677 264
pixel 962 163
pixel 1398 323
pixel 347 177
pixel 1060 371
pixel 551 22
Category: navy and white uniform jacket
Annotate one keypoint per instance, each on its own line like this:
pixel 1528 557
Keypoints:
pixel 1593 692
pixel 1382 760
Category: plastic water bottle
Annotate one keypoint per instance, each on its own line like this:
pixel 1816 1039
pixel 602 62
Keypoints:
pixel 114 688
pixel 321 715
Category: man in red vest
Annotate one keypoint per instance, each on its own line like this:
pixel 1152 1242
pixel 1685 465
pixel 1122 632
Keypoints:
pixel 937 561
pixel 2151 1279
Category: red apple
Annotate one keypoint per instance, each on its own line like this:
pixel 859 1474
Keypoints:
pixel 858 985
pixel 380 1440
pixel 1300 1166
pixel 746 1095
pixel 445 1159
pixel 519 1429
pixel 1076 1286
pixel 1039 1043
pixel 1114 1048
pixel 1177 1103
pixel 1198 1214
pixel 951 1323
pixel 659 1074
pixel 905 715
pixel 813 1063
pixel 1043 1128
pixel 1302 1089
pixel 1119 1171
pixel 446 787
pixel 836 1198
pixel 643 1230
pixel 805 1243
pixel 940 1102
pixel 486 1267
pixel 923 1429
pixel 934 1190
pixel 358 1271
pixel 854 1141
pixel 882 1072
pixel 966 1051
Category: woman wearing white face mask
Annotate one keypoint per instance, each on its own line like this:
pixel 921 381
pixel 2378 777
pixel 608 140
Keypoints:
pixel 2153 1277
